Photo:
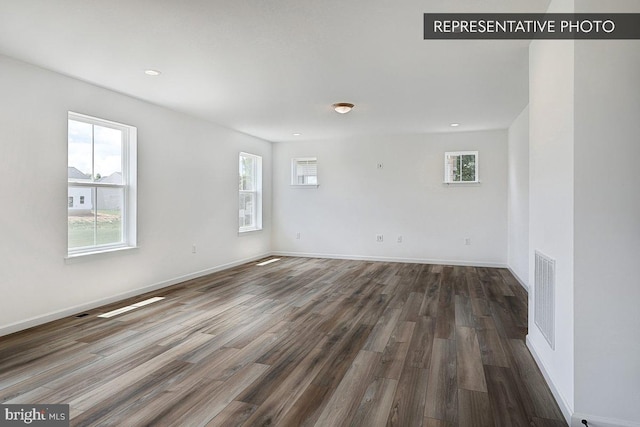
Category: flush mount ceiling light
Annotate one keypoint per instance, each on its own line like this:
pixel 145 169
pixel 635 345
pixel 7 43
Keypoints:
pixel 152 72
pixel 454 125
pixel 343 107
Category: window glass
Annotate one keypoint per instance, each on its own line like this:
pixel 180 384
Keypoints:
pixel 101 179
pixel 250 192
pixel 461 167
pixel 304 171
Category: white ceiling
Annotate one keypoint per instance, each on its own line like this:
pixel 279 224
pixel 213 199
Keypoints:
pixel 271 68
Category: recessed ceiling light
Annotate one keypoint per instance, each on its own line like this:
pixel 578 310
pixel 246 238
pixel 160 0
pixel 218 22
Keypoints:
pixel 454 125
pixel 343 107
pixel 296 134
pixel 152 72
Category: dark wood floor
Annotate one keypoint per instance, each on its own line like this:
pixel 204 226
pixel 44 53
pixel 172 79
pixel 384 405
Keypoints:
pixel 298 342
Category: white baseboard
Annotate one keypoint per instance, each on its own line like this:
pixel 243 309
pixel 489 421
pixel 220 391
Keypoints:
pixel 70 311
pixel 522 282
pixel 390 259
pixel 576 421
pixel 565 407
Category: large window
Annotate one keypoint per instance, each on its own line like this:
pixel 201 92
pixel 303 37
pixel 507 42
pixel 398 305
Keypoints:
pixel 250 193
pixel 460 167
pixel 101 185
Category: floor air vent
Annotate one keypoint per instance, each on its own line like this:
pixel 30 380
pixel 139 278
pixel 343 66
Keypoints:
pixel 544 291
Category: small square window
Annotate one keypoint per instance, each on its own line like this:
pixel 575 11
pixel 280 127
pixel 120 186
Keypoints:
pixel 82 200
pixel 461 166
pixel 304 171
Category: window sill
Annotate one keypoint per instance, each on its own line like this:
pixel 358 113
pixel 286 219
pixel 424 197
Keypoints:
pixel 304 185
pixel 75 257
pixel 248 231
pixel 461 182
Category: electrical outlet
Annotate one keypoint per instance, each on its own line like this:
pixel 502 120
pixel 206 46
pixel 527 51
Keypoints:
pixel 399 239
pixel 467 241
pixel 297 236
pixel 193 249
pixel 379 238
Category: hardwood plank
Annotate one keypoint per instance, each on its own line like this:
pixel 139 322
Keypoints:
pixel 280 401
pixel 442 389
pixel 544 422
pixel 463 312
pixel 308 406
pixel 420 348
pixel 491 348
pixel 474 409
pixel 445 321
pixel 109 389
pixel 233 415
pixel 409 401
pixel 382 331
pixel 132 398
pixel 431 422
pixel 504 397
pixel 429 305
pixel 202 403
pixel 469 366
pixel 346 398
pixel 411 308
pixel 480 307
pixel 395 353
pixel 375 405
pixel 531 379
pixel 38 379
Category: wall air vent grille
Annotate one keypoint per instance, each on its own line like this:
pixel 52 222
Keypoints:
pixel 544 292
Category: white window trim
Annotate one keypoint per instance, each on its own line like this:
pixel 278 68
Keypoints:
pixel 130 182
pixel 258 192
pixel 461 153
pixel 294 167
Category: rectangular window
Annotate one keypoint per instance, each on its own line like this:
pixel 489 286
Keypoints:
pixel 304 171
pixel 250 193
pixel 102 176
pixel 461 166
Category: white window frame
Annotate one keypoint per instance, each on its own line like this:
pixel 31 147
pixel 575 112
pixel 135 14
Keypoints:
pixel 129 186
pixel 256 194
pixel 295 164
pixel 459 154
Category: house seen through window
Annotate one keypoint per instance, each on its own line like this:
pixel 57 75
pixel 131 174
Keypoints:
pixel 304 171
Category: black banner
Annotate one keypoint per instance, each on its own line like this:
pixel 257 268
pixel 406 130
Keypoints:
pixel 514 26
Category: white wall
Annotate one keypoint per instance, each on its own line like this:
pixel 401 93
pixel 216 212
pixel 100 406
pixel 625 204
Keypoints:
pixel 585 213
pixel 551 182
pixel 355 200
pixel 187 194
pixel 518 197
pixel 607 225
